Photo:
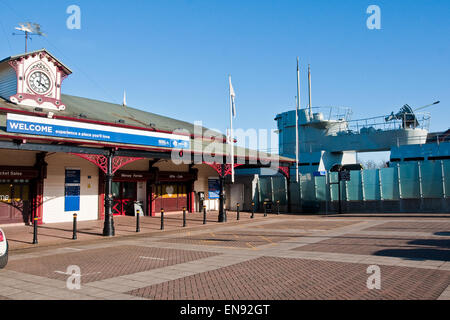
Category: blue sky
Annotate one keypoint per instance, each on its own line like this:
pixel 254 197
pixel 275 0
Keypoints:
pixel 173 57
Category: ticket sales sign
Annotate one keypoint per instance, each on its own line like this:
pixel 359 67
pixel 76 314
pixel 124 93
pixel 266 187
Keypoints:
pixel 87 131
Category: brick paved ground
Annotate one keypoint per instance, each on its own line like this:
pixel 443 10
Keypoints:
pixel 274 257
pixel 269 278
pixel 431 248
pixel 21 237
pixel 250 239
pixel 424 226
pixel 99 264
pixel 308 225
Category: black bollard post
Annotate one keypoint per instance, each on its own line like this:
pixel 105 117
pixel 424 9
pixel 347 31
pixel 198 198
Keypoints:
pixel 253 211
pixel 265 209
pixel 278 207
pixel 138 217
pixel 35 230
pixel 204 214
pixel 184 217
pixel 238 205
pixel 74 234
pixel 162 219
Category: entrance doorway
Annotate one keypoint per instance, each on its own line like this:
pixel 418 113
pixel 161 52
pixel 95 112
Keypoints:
pixel 171 197
pixel 124 195
pixel 15 201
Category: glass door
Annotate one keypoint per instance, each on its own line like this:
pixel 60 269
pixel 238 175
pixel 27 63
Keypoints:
pixel 14 203
pixel 129 196
pixel 124 194
pixel 117 203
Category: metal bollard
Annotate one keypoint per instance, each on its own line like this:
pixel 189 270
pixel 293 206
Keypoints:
pixel 35 230
pixel 238 205
pixel 278 207
pixel 204 214
pixel 74 234
pixel 138 216
pixel 162 219
pixel 253 211
pixel 265 209
pixel 184 217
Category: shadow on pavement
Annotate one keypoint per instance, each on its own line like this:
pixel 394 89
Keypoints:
pixel 416 254
pixel 442 233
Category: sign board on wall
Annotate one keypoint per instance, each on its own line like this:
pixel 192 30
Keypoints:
pixel 18 173
pixel 213 188
pixel 88 131
pixel 72 190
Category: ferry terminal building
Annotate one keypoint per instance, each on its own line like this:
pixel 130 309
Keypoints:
pixel 63 154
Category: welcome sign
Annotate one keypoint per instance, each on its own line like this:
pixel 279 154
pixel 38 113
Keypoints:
pixel 88 131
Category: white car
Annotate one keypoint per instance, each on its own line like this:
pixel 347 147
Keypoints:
pixel 3 249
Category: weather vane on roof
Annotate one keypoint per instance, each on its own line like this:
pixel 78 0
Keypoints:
pixel 29 29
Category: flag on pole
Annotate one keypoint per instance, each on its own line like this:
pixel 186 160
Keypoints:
pixel 232 115
pixel 124 98
pixel 232 96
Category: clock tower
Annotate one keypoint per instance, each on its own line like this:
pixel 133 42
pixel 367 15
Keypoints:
pixel 33 79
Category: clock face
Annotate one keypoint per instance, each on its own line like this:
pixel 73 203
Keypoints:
pixel 39 82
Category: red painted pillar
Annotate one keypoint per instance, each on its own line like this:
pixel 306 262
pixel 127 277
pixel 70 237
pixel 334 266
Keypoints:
pixel 191 195
pixel 39 212
pixel 101 195
pixel 191 200
pixel 151 201
pixel 41 166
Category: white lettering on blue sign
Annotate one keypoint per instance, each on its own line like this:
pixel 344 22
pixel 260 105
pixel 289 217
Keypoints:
pixel 31 127
pixel 88 131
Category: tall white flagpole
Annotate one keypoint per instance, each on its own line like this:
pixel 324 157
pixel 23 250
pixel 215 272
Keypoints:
pixel 231 139
pixel 296 122
pixel 309 89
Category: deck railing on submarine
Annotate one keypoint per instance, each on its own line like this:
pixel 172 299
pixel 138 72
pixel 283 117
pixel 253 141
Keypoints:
pixel 342 118
pixel 371 125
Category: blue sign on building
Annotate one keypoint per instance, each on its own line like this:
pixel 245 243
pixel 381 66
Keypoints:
pixel 88 131
pixel 213 188
pixel 72 190
pixel 73 176
pixel 320 173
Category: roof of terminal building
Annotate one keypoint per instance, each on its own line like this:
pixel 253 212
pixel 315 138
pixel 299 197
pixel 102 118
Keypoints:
pixel 89 110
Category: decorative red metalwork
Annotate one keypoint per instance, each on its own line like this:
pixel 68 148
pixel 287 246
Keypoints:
pixel 99 160
pixel 218 168
pixel 102 162
pixel 285 171
pixel 228 168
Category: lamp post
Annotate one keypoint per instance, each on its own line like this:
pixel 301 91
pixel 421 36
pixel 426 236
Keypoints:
pixel 108 227
pixel 222 213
